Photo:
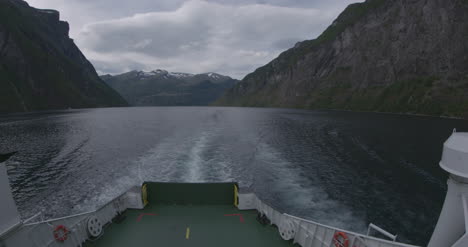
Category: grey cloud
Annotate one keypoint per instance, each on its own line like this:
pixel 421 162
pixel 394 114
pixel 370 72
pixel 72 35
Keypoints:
pixel 150 34
pixel 227 36
pixel 320 4
pixel 285 43
pixel 203 36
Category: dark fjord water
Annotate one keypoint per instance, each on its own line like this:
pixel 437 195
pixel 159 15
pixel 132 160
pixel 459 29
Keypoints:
pixel 339 168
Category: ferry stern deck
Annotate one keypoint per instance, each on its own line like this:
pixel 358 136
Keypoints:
pixel 189 225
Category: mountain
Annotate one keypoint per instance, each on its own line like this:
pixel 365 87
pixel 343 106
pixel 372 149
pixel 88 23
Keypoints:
pixel 40 66
pixel 405 56
pixel 163 88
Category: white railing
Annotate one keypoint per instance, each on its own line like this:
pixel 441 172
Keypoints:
pixel 40 234
pixel 32 218
pixel 308 233
pixel 304 232
pixel 382 231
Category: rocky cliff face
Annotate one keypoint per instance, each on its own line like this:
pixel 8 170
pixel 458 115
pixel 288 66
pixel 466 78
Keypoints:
pixel 406 56
pixel 40 66
pixel 163 88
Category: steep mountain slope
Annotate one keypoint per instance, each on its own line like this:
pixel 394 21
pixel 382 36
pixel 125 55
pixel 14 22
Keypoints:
pixel 40 66
pixel 407 56
pixel 162 88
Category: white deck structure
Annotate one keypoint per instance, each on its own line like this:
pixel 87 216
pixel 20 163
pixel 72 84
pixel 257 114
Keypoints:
pixel 452 228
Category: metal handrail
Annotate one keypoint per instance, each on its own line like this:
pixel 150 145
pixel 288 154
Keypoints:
pixel 32 217
pixel 76 215
pixel 10 229
pixel 382 231
pixel 64 218
pixel 349 232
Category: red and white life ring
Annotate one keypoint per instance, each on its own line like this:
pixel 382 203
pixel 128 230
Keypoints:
pixel 61 233
pixel 340 239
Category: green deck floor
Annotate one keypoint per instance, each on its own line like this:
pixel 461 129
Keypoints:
pixel 209 226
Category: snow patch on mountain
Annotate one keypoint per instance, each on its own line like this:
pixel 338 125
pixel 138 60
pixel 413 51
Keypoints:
pixel 143 75
pixel 180 75
pixel 213 75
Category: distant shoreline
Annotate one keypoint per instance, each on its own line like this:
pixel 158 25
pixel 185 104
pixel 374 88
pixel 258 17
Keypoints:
pixel 402 113
pixel 51 111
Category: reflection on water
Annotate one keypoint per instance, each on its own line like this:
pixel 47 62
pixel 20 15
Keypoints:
pixel 339 168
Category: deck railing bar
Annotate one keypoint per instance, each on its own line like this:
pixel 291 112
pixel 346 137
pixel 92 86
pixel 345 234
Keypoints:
pixel 61 218
pixel 79 214
pixel 353 233
pixel 375 227
pixel 11 229
pixel 31 218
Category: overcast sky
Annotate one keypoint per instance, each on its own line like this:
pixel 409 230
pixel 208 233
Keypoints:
pixel 231 37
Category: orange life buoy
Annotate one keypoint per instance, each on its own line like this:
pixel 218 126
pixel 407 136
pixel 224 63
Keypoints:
pixel 60 233
pixel 340 239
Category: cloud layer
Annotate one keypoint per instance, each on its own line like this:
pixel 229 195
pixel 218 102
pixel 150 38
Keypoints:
pixel 224 36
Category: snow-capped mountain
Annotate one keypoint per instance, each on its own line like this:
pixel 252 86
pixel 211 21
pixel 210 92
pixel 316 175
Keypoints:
pixel 159 73
pixel 161 87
